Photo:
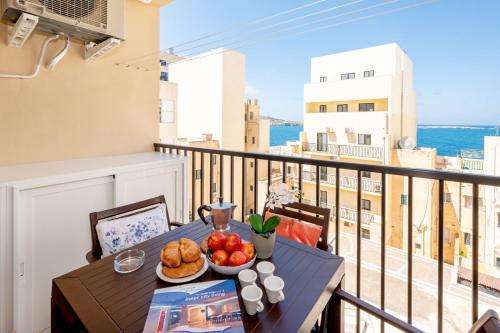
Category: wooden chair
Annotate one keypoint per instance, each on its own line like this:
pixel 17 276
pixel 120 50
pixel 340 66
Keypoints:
pixel 315 215
pixel 487 323
pixel 307 213
pixel 122 211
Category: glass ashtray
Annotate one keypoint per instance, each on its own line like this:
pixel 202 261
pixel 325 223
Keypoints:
pixel 129 261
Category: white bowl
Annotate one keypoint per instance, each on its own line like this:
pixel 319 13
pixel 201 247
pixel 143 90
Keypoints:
pixel 230 270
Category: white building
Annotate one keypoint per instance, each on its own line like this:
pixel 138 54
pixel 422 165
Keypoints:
pixel 343 85
pixel 492 202
pixel 211 97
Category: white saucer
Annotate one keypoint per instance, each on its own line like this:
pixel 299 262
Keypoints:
pixel 184 279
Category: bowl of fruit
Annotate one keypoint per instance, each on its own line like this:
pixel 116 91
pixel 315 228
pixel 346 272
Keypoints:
pixel 229 254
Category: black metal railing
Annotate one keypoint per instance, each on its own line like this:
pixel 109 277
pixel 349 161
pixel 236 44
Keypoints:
pixel 281 161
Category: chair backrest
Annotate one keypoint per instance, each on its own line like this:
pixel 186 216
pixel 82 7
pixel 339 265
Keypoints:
pixel 307 213
pixel 133 209
pixel 487 323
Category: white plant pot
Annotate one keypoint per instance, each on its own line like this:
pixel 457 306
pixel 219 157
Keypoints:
pixel 264 246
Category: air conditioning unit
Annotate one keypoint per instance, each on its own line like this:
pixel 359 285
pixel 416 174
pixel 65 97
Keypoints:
pixel 89 20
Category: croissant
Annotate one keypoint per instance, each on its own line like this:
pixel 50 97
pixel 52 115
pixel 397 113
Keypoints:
pixel 170 255
pixel 185 269
pixel 190 251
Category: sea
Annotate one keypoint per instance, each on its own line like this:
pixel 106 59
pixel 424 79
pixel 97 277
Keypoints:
pixel 449 140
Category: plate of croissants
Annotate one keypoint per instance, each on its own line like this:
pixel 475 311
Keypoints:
pixel 181 261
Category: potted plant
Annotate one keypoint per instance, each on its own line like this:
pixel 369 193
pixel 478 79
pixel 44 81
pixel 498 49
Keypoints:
pixel 264 232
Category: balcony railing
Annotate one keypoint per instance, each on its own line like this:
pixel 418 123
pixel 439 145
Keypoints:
pixel 472 164
pixel 347 214
pixel 367 185
pixel 236 161
pixel 361 151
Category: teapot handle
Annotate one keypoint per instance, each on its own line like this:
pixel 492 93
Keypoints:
pixel 200 212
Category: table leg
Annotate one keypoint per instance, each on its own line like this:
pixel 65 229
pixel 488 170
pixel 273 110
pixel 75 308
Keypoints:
pixel 335 313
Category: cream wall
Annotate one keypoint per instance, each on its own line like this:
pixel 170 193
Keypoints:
pixel 82 108
pixel 168 131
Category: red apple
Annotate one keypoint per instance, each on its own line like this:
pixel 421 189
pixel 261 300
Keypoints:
pixel 237 258
pixel 220 258
pixel 233 243
pixel 216 241
pixel 248 250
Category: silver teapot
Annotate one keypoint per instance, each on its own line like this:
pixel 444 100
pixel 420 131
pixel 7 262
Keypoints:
pixel 220 214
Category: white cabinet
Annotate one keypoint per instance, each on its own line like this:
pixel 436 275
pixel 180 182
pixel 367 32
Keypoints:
pixel 45 228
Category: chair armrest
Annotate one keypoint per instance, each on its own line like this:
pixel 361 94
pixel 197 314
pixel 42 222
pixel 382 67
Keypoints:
pixel 176 224
pixel 481 322
pixel 90 257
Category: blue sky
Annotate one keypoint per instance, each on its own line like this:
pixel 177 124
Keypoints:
pixel 454 45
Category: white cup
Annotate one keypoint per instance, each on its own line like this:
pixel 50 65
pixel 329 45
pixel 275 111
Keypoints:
pixel 265 270
pixel 247 277
pixel 252 296
pixel 274 289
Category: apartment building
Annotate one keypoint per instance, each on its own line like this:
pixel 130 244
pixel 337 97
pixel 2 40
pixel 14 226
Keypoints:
pixel 357 107
pixel 197 110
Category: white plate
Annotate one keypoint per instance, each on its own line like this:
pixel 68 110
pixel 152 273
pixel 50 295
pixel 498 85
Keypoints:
pixel 184 279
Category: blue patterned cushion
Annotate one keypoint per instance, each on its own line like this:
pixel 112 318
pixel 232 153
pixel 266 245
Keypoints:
pixel 121 233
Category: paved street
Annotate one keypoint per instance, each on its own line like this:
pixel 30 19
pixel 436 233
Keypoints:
pixel 457 298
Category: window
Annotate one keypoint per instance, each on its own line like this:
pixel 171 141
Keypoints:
pixel 322 143
pixel 498 219
pixel 289 168
pixel 497 261
pixel 197 174
pixel 467 201
pixel 253 140
pixel 447 235
pixel 245 139
pixel 251 164
pixel 323 198
pixel 163 76
pixel 366 174
pixel 370 73
pixel 467 239
pixel 322 79
pixel 365 233
pixel 404 199
pixel 214 159
pixel 347 224
pixel 366 107
pixel 418 246
pixel 251 188
pixel 341 107
pixel 214 187
pixel 364 139
pixel 447 197
pixel 167 111
pixel 323 173
pixel 322 108
pixel 366 204
pixel 251 115
pixel 163 62
pixel 347 76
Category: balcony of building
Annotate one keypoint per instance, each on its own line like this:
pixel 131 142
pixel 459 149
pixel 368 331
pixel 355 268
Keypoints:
pixel 346 214
pixel 346 150
pixel 346 182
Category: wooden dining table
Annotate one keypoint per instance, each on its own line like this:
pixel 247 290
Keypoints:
pixel 95 298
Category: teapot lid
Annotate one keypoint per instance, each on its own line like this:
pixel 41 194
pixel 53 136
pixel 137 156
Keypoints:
pixel 221 204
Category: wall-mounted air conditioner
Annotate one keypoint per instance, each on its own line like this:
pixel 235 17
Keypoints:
pixel 89 20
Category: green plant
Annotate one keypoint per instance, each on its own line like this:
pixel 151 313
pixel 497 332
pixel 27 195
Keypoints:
pixel 264 228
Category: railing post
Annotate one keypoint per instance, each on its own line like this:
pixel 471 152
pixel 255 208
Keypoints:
pixel 335 312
